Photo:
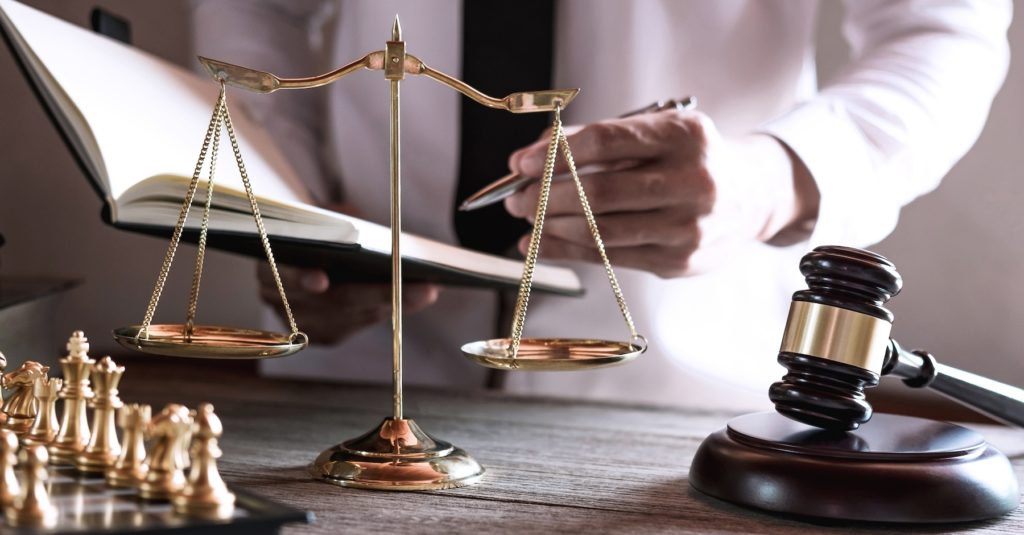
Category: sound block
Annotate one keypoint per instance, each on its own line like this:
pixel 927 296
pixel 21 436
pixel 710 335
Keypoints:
pixel 891 469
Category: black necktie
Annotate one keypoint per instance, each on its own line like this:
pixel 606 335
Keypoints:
pixel 504 49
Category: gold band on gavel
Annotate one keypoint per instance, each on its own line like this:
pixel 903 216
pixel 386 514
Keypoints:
pixel 836 334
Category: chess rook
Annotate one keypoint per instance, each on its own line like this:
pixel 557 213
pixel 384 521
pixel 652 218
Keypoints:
pixel 9 487
pixel 74 424
pixel 103 448
pixel 45 427
pixel 168 456
pixel 836 337
pixel 21 406
pixel 205 494
pixel 130 468
pixel 32 507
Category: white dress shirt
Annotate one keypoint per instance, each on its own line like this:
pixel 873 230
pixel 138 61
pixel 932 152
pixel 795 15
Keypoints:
pixel 910 103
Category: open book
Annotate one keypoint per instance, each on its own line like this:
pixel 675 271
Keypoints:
pixel 135 123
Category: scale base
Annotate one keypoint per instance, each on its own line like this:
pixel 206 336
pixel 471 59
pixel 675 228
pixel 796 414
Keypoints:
pixel 892 469
pixel 397 455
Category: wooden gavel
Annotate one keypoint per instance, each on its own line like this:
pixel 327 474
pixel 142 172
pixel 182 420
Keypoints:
pixel 837 343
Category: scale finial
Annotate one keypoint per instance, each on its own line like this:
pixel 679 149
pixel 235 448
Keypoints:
pixel 396 30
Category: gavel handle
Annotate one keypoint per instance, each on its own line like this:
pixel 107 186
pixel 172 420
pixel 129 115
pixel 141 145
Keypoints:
pixel 918 369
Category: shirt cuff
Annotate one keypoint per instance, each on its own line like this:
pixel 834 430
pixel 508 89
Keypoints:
pixel 854 209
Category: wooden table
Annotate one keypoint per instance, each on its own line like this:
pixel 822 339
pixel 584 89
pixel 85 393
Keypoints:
pixel 552 466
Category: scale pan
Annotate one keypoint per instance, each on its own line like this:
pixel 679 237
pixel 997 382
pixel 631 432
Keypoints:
pixel 210 342
pixel 552 354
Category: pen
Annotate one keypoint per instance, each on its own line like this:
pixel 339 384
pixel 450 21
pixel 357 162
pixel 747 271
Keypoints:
pixel 511 183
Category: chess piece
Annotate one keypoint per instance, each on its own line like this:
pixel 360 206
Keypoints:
pixel 168 456
pixel 205 494
pixel 21 405
pixel 130 468
pixel 103 448
pixel 32 507
pixel 822 453
pixel 74 423
pixel 9 487
pixel 45 427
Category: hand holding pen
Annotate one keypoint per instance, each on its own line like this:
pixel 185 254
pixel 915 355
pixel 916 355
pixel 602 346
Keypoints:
pixel 670 194
pixel 511 183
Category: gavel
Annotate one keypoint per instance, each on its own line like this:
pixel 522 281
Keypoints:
pixel 836 344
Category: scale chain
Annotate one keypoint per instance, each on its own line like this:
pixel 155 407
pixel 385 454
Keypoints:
pixel 197 273
pixel 211 143
pixel 526 282
pixel 559 140
pixel 592 224
pixel 172 247
pixel 259 225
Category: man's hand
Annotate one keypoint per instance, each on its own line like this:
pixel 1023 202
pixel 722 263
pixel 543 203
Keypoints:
pixel 329 313
pixel 673 198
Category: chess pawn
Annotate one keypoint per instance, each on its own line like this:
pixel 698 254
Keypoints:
pixel 168 456
pixel 74 423
pixel 103 448
pixel 130 468
pixel 21 406
pixel 9 487
pixel 44 429
pixel 32 507
pixel 205 494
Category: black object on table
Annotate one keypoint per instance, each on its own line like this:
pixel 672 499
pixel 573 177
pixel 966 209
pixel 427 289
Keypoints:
pixel 89 505
pixel 823 453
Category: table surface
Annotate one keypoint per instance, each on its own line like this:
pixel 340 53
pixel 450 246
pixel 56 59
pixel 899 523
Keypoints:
pixel 552 465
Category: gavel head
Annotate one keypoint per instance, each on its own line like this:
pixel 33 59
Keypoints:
pixel 837 337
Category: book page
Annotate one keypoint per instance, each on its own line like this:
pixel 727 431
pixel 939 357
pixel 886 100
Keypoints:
pixel 148 116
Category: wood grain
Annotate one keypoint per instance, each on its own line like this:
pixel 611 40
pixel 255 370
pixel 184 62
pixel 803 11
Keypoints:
pixel 553 466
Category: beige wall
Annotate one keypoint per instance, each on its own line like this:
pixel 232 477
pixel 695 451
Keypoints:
pixel 957 248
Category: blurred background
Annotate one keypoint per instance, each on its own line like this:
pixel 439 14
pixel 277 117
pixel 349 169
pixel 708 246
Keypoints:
pixel 954 247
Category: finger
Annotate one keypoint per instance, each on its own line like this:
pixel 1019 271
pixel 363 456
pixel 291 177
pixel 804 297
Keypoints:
pixel 637 138
pixel 537 147
pixel 648 187
pixel 559 249
pixel 343 298
pixel 663 261
pixel 416 297
pixel 626 229
pixel 339 296
pixel 309 280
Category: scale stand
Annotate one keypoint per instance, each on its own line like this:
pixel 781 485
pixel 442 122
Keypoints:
pixel 397 454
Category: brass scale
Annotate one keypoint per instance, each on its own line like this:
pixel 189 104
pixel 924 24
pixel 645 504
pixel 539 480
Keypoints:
pixel 397 454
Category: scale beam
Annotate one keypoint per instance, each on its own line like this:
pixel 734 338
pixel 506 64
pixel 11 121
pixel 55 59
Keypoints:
pixel 546 100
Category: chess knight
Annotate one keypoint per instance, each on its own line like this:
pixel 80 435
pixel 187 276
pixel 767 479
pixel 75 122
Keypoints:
pixel 21 407
pixel 170 432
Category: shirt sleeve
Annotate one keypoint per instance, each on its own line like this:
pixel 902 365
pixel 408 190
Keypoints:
pixel 912 101
pixel 282 37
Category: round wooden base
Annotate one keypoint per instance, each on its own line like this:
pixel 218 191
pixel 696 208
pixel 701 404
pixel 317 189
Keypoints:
pixel 892 469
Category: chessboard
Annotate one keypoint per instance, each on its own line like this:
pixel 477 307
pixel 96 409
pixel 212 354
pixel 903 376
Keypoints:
pixel 86 504
pixel 158 475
